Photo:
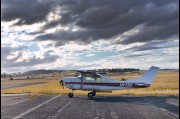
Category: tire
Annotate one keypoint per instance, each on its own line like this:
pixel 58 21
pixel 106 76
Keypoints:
pixel 70 95
pixel 90 95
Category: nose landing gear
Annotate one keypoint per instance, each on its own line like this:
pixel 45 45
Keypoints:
pixel 71 94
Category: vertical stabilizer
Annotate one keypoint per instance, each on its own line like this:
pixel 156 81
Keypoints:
pixel 148 77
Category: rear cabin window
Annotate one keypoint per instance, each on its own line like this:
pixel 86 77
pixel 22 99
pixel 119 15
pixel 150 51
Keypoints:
pixel 101 79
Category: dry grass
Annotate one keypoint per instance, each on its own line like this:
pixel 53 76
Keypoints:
pixel 22 81
pixel 165 83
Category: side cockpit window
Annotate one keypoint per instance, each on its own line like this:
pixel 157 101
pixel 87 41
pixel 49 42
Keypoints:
pixel 94 77
pixel 88 77
pixel 79 76
pixel 91 77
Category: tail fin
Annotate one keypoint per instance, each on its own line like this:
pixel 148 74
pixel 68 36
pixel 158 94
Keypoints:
pixel 148 77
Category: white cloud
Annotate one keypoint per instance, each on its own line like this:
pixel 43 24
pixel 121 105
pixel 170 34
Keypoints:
pixel 90 55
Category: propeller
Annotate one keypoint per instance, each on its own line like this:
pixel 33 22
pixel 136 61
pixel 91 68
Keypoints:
pixel 62 82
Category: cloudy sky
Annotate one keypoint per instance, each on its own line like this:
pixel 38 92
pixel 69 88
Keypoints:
pixel 89 34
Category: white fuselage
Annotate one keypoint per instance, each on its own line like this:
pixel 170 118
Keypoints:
pixel 76 83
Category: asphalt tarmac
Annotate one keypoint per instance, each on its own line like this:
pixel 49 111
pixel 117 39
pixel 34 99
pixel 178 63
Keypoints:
pixel 81 107
pixel 6 86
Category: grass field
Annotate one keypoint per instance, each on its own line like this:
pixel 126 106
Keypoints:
pixel 165 83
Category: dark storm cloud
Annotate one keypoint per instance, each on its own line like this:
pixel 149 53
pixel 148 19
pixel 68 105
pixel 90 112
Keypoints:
pixel 35 33
pixel 137 55
pixel 98 19
pixel 6 51
pixel 33 61
pixel 66 36
pixel 156 32
pixel 151 46
pixel 28 12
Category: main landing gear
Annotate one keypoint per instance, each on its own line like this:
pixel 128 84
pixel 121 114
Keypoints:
pixel 91 94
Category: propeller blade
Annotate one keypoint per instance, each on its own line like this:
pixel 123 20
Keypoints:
pixel 62 83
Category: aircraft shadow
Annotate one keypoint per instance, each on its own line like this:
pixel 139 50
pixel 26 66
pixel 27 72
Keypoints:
pixel 158 101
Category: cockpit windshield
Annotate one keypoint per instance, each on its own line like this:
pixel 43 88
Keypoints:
pixel 79 76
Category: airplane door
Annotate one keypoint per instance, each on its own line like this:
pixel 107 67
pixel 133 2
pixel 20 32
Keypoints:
pixel 81 86
pixel 72 85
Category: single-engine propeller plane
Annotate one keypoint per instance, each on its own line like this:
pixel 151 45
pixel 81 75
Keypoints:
pixel 94 82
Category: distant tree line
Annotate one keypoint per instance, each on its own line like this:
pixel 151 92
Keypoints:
pixel 29 73
pixel 5 75
pixel 41 71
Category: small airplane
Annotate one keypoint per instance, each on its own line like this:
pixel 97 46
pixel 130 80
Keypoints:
pixel 94 82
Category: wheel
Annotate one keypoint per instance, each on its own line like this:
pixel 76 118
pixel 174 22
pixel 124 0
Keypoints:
pixel 70 95
pixel 90 95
